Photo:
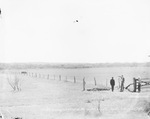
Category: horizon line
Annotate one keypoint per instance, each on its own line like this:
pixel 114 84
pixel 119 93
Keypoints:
pixel 73 62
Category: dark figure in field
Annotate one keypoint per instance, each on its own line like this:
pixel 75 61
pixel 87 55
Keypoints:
pixel 112 83
pixel 122 84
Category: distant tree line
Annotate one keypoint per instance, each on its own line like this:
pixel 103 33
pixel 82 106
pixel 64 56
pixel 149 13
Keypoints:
pixel 68 65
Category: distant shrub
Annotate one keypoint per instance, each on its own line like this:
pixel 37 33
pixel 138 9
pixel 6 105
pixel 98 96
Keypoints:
pixel 146 106
pixel 14 82
pixel 96 110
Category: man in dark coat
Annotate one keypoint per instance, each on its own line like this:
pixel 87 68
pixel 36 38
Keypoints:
pixel 112 83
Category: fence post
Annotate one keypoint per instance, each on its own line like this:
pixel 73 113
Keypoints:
pixel 134 85
pixel 119 85
pixel 48 76
pixel 139 85
pixel 60 77
pixel 95 81
pixel 84 84
pixel 74 79
pixel 66 78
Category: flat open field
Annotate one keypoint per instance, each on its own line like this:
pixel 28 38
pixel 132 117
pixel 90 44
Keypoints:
pixel 48 98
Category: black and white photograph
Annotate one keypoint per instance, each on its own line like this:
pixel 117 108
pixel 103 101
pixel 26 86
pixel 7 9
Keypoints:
pixel 75 59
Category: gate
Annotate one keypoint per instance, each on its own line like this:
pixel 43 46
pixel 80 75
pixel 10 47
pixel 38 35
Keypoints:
pixel 139 84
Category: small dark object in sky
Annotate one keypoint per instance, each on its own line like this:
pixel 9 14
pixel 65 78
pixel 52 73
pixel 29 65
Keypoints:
pixel 0 11
pixel 76 20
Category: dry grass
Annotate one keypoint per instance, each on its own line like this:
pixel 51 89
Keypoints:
pixel 146 106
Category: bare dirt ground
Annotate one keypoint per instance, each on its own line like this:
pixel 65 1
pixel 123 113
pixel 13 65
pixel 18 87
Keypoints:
pixel 53 99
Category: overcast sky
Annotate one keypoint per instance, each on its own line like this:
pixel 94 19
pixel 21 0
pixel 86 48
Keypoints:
pixel 47 31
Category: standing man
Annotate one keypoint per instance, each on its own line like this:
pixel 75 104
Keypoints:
pixel 112 83
pixel 122 84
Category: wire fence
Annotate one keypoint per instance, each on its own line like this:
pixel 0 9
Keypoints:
pixel 86 81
